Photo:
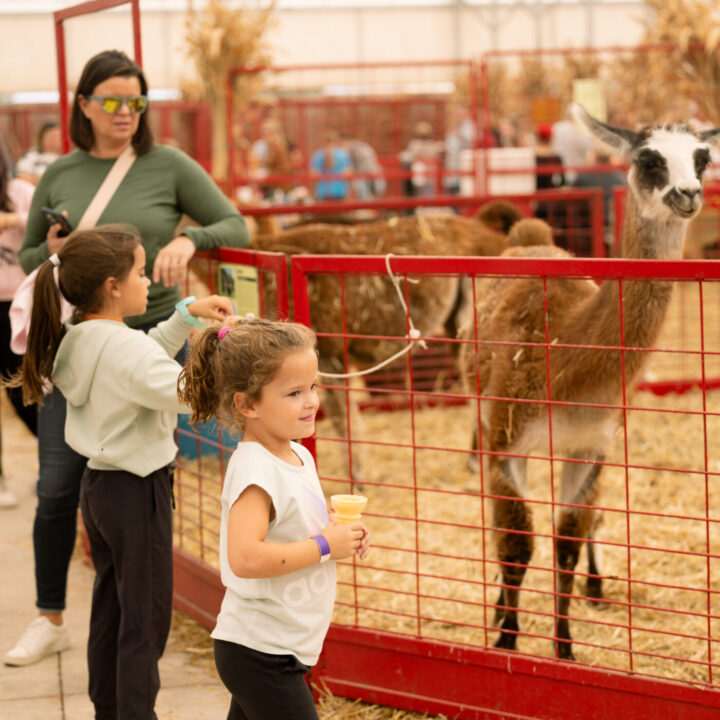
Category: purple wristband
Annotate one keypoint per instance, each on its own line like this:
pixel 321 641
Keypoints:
pixel 324 546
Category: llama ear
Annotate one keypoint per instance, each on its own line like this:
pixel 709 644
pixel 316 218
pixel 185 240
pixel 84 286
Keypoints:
pixel 711 136
pixel 620 140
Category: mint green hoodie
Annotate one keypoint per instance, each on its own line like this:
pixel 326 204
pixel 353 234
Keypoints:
pixel 121 391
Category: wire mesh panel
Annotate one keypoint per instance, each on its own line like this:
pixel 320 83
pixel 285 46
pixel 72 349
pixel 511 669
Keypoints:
pixel 204 450
pixel 580 523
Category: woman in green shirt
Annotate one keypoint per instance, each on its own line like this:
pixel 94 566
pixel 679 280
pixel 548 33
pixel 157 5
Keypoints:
pixel 108 114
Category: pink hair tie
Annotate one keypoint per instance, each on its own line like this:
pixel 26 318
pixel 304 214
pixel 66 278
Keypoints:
pixel 223 331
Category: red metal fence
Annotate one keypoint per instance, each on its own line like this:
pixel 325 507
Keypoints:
pixel 205 450
pixel 377 102
pixel 414 623
pixel 184 124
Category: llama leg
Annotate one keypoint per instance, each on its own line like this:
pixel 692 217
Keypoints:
pixel 473 461
pixel 335 404
pixel 479 441
pixel 579 486
pixel 593 588
pixel 513 520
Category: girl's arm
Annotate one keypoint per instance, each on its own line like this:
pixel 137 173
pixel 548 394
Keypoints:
pixel 170 334
pixel 250 556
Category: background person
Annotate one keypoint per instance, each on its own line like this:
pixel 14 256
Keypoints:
pixel 15 198
pixel 570 144
pixel 364 160
pixel 108 115
pixel 121 386
pixel 47 149
pixel 277 547
pixel 332 159
pixel 271 155
pixel 422 157
pixel 554 213
pixel 606 181
pixel 459 137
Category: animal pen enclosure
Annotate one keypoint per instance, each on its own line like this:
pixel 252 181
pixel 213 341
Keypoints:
pixel 414 625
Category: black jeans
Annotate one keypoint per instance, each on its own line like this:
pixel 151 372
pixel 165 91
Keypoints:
pixel 263 686
pixel 129 524
pixel 58 491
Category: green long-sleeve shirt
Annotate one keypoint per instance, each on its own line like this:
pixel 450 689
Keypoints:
pixel 158 189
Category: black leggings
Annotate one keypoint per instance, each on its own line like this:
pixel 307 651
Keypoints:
pixel 263 686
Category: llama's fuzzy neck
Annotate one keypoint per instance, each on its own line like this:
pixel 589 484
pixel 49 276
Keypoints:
pixel 648 237
pixel 644 302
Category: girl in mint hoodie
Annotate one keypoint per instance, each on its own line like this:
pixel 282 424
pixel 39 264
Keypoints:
pixel 121 388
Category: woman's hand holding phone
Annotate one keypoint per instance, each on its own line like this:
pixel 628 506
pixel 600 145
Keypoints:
pixel 60 228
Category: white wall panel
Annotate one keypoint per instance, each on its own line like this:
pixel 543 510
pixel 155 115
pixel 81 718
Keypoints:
pixel 306 35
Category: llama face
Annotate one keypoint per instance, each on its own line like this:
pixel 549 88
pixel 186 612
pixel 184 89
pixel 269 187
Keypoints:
pixel 666 164
pixel 666 171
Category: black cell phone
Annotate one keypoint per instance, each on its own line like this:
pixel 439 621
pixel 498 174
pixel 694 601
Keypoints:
pixel 54 217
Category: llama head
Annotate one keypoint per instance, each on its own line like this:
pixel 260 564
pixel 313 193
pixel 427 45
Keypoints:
pixel 666 164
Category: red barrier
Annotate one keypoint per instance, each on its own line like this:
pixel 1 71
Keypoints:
pixel 413 624
pixel 378 102
pixel 197 589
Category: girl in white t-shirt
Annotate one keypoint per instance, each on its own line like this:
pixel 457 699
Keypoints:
pixel 277 546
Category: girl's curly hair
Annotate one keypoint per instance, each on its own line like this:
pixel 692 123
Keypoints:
pixel 246 358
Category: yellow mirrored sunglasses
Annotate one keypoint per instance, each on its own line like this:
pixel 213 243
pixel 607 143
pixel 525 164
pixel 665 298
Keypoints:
pixel 111 104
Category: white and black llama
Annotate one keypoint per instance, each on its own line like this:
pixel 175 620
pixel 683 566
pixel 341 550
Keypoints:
pixel 664 193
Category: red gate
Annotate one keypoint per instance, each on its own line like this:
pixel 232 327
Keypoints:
pixel 378 102
pixel 413 625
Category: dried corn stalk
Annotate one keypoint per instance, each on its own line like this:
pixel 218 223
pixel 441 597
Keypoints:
pixel 218 39
pixel 692 70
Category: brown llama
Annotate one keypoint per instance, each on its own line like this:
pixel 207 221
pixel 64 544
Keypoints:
pixel 372 307
pixel 664 193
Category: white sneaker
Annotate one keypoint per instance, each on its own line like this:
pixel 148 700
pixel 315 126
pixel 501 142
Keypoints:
pixel 40 639
pixel 7 499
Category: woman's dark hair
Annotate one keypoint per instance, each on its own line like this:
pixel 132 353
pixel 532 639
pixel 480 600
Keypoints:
pixel 6 204
pixel 47 125
pixel 87 259
pixel 104 65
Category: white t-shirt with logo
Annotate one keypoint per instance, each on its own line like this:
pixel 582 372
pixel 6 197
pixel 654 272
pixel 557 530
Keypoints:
pixel 288 614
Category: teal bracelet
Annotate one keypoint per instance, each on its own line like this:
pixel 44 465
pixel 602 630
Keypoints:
pixel 182 308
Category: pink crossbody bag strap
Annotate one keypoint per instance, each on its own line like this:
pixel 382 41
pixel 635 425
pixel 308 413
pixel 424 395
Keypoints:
pixel 109 185
pixel 21 306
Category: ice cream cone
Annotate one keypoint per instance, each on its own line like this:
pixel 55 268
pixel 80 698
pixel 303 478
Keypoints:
pixel 348 508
